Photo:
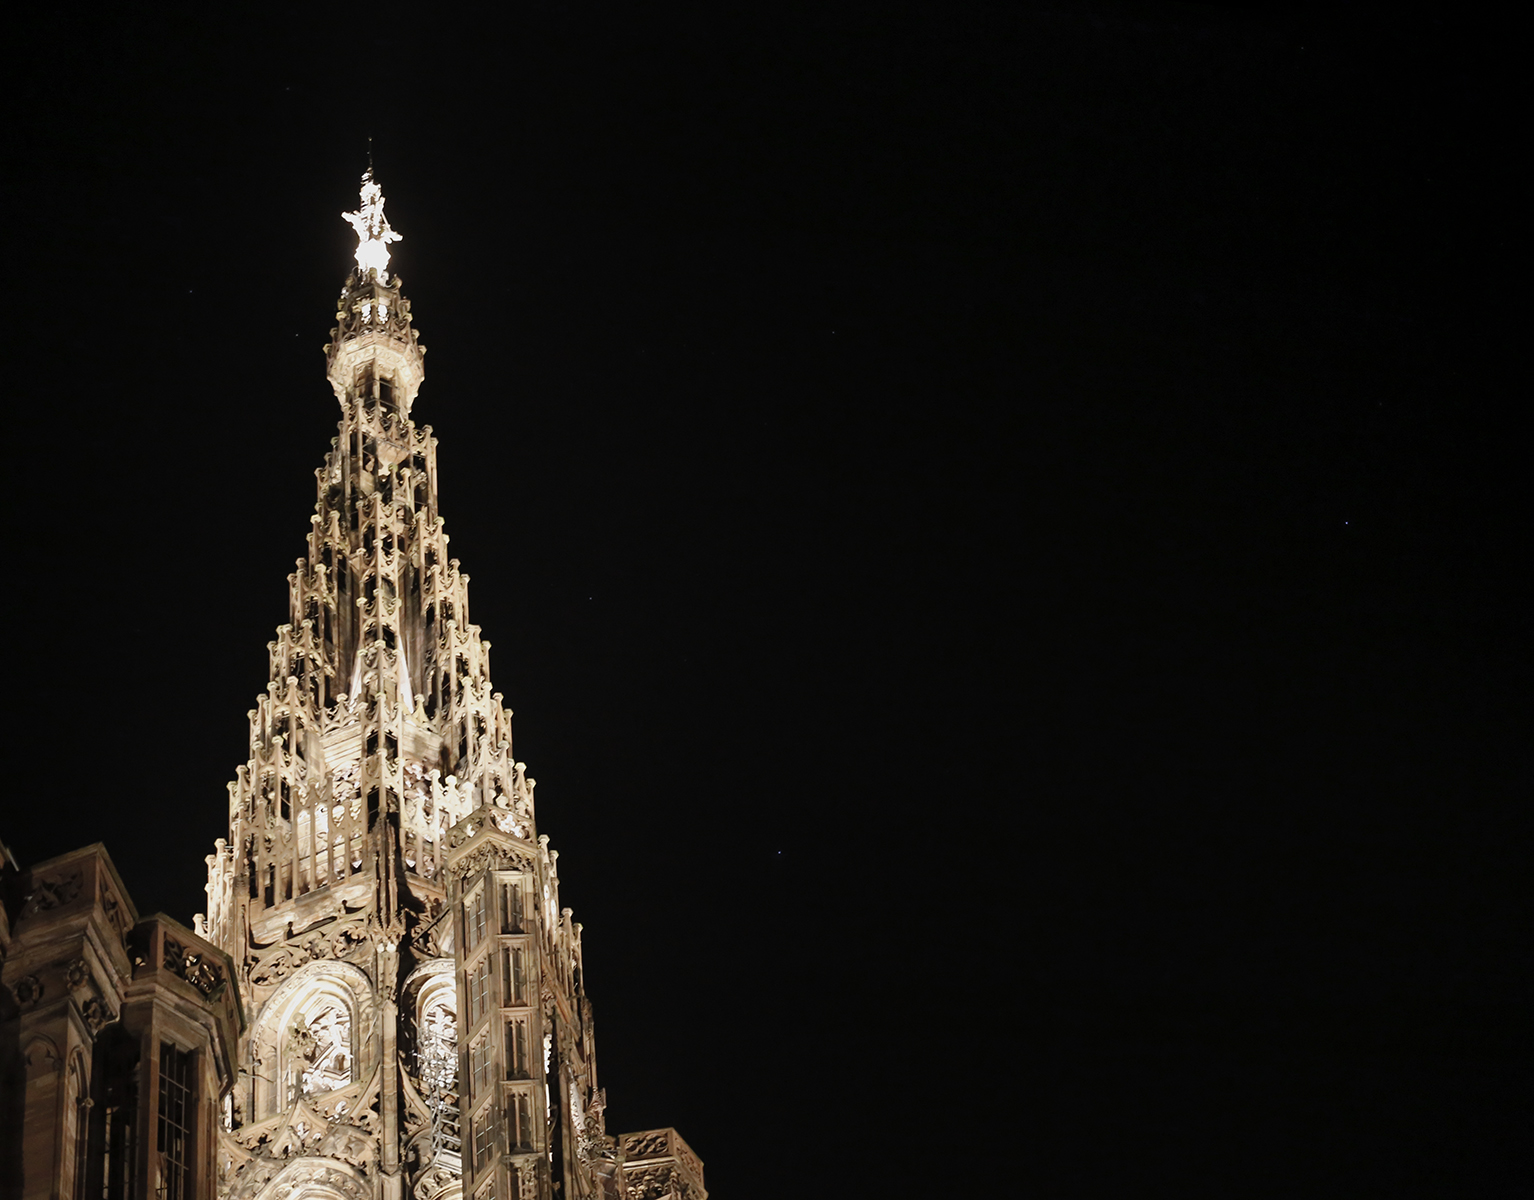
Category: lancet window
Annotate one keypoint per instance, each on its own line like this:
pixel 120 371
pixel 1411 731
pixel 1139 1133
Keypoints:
pixel 484 1138
pixel 119 1059
pixel 474 918
pixel 513 975
pixel 306 872
pixel 516 1048
pixel 479 990
pixel 519 1120
pixel 177 1119
pixel 480 1067
pixel 511 908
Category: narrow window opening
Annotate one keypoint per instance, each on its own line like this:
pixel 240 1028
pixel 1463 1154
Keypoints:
pixel 520 1123
pixel 480 1067
pixel 119 1116
pixel 511 908
pixel 474 918
pixel 484 1138
pixel 178 1112
pixel 479 991
pixel 513 977
pixel 516 1049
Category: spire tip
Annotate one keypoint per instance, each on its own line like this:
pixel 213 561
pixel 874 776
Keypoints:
pixel 371 226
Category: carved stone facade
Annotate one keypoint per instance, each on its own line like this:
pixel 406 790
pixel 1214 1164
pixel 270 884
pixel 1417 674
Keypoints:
pixel 659 1165
pixel 417 1023
pixel 118 1036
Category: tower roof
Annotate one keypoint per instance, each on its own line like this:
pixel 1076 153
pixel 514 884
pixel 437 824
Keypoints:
pixel 373 337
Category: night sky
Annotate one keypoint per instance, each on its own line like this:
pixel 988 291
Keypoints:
pixel 997 527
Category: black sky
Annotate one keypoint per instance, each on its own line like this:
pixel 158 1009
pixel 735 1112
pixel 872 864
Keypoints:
pixel 997 527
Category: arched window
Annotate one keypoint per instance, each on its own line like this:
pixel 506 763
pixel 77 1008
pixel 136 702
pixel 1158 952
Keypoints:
pixel 317 1033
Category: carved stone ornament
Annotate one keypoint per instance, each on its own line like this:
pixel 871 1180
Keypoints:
pixel 387 934
pixel 96 1013
pixel 593 1140
pixel 302 1041
pixel 273 970
pixel 77 973
pixel 50 893
pixel 29 990
pixel 653 1183
pixel 489 857
pixel 193 967
pixel 431 927
pixel 348 940
pixel 508 822
pixel 527 1177
pixel 116 917
pixel 272 1180
pixel 351 1145
pixel 316 947
pixel 435 1182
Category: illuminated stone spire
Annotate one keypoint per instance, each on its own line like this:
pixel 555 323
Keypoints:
pixel 419 1024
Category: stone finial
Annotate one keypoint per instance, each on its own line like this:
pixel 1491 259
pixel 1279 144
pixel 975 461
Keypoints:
pixel 372 228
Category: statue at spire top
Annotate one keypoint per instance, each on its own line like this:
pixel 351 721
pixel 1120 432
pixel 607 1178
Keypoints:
pixel 373 232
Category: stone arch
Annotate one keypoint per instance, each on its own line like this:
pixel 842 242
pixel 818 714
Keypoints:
pixel 77 1105
pixel 428 986
pixel 431 1000
pixel 317 1032
pixel 307 1179
pixel 429 1003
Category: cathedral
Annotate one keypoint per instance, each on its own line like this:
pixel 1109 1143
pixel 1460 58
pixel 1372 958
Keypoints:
pixel 385 999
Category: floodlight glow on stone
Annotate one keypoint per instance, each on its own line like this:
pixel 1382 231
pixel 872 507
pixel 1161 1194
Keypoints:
pixel 372 227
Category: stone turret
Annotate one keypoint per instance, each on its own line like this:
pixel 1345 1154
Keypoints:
pixel 373 352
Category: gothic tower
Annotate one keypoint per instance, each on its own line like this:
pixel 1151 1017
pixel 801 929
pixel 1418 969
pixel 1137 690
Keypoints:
pixel 417 1020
